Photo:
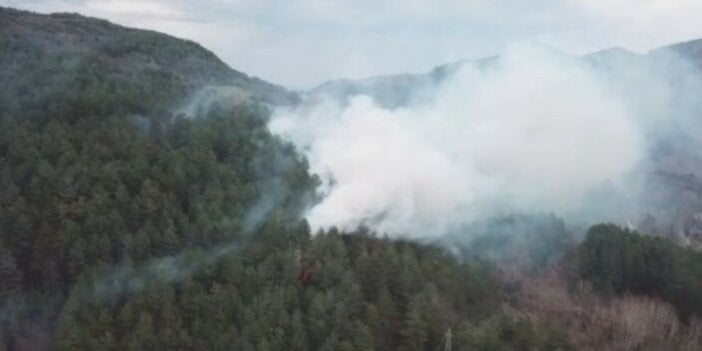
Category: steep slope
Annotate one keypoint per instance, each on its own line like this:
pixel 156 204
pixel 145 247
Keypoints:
pixel 45 58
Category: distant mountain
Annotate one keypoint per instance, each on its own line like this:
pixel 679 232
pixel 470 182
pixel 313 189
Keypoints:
pixel 690 50
pixel 392 91
pixel 43 57
pixel 611 56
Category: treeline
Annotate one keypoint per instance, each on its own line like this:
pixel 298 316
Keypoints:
pixel 295 292
pixel 619 261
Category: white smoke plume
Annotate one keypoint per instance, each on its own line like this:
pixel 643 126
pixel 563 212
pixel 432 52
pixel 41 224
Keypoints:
pixel 538 130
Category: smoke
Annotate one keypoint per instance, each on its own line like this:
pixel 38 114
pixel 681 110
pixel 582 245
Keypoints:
pixel 537 130
pixel 274 201
pixel 125 278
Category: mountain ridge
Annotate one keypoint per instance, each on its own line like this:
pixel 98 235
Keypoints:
pixel 60 51
pixel 377 87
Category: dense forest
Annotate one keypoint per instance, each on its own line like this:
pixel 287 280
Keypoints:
pixel 184 233
pixel 128 225
pixel 620 261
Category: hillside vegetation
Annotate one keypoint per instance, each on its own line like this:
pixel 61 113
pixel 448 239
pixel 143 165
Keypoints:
pixel 128 225
pixel 619 261
pixel 70 65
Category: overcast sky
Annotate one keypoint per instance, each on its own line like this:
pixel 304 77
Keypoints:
pixel 300 43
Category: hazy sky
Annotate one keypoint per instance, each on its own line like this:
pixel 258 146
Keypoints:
pixel 300 43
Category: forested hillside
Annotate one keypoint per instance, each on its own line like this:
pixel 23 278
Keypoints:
pixel 118 237
pixel 67 64
pixel 126 224
pixel 330 292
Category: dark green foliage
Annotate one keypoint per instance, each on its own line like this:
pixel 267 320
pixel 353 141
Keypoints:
pixel 257 300
pixel 79 197
pixel 618 261
pixel 10 278
pixel 68 66
pixel 96 192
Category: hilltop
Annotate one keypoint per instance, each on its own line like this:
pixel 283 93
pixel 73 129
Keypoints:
pixel 107 67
